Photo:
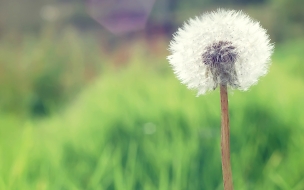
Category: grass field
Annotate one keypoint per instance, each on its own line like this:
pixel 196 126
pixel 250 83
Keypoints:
pixel 137 128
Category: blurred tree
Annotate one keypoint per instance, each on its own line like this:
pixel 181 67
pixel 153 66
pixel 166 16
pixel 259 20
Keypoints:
pixel 289 18
pixel 241 2
pixel 163 19
pixel 292 10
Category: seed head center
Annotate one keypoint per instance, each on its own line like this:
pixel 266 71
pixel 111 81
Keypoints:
pixel 220 58
pixel 219 53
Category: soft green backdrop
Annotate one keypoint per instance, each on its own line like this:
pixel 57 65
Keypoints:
pixel 76 115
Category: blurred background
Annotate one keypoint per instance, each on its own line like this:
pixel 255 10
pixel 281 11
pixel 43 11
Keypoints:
pixel 89 101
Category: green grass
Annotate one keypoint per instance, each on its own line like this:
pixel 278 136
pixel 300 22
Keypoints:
pixel 138 128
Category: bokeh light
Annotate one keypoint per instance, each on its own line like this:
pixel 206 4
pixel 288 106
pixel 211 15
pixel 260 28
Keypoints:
pixel 120 16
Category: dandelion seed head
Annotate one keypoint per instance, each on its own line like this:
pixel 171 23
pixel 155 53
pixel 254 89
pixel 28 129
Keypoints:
pixel 223 47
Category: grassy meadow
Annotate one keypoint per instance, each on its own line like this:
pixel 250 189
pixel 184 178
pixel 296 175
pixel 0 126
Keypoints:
pixel 135 127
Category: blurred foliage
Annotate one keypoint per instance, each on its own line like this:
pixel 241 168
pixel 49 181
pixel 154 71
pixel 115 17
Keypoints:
pixel 282 18
pixel 40 74
pixel 137 127
pixel 292 10
pixel 289 19
pixel 117 118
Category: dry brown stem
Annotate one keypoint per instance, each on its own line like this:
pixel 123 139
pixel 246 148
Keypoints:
pixel 225 140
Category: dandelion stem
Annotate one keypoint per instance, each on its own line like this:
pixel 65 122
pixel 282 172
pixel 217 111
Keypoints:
pixel 225 140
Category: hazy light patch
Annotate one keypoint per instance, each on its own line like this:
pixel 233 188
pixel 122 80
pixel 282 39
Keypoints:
pixel 120 16
pixel 149 128
pixel 49 13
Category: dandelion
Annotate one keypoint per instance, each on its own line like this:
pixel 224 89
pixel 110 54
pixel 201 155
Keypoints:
pixel 224 48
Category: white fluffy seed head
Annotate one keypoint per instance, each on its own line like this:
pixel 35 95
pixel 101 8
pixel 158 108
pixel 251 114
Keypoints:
pixel 223 47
